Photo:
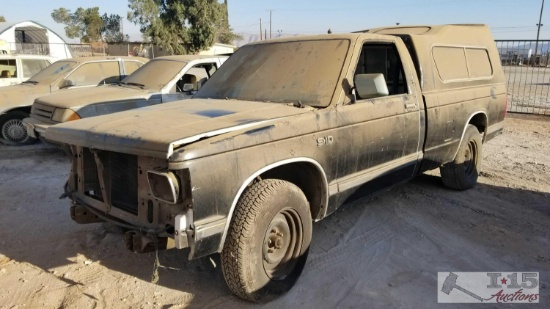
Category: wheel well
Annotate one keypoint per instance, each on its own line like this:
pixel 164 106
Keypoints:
pixel 25 109
pixel 308 178
pixel 480 121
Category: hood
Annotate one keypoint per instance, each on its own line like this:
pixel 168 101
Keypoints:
pixel 77 98
pixel 21 95
pixel 157 130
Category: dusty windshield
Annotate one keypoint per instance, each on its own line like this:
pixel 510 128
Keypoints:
pixel 155 74
pixel 52 72
pixel 285 72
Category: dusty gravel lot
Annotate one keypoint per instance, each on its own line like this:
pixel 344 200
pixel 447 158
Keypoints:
pixel 381 253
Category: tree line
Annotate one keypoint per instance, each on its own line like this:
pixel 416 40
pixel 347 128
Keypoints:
pixel 179 26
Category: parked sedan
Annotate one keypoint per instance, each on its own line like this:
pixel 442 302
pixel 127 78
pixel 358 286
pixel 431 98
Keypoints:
pixel 85 72
pixel 161 80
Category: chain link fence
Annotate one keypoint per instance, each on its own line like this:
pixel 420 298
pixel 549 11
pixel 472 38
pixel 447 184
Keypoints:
pixel 85 50
pixel 527 75
pixel 117 49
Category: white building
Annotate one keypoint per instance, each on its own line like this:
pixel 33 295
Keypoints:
pixel 29 37
pixel 219 49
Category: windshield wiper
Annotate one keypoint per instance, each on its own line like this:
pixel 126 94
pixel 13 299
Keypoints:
pixel 133 84
pixel 30 82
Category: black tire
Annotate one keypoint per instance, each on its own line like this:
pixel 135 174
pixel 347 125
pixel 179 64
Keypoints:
pixel 462 172
pixel 13 130
pixel 268 241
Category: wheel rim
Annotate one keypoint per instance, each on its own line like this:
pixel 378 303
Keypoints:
pixel 282 244
pixel 470 158
pixel 14 130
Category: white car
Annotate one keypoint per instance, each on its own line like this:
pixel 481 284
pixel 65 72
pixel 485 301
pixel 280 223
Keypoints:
pixel 15 69
pixel 161 80
pixel 74 73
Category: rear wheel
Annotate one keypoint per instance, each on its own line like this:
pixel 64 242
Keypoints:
pixel 268 241
pixel 13 130
pixel 462 172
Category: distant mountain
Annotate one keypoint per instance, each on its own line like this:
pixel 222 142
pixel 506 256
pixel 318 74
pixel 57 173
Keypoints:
pixel 524 49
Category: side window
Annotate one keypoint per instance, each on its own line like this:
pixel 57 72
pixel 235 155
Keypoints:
pixel 33 66
pixel 211 68
pixel 462 63
pixel 131 66
pixel 197 76
pixel 96 73
pixel 479 64
pixel 8 68
pixel 383 59
pixel 450 62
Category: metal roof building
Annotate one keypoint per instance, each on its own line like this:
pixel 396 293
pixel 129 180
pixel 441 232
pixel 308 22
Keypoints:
pixel 29 37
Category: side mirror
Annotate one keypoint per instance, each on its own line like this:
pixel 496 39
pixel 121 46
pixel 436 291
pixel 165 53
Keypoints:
pixel 370 85
pixel 188 87
pixel 66 83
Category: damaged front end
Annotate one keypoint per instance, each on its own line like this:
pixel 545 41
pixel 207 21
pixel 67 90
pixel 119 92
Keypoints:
pixel 136 193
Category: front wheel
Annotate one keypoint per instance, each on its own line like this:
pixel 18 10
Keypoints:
pixel 462 172
pixel 13 130
pixel 268 241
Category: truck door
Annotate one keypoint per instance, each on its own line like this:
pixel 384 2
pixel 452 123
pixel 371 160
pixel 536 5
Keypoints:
pixel 380 135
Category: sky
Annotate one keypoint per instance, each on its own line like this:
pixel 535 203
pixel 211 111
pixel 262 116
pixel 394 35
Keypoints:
pixel 508 19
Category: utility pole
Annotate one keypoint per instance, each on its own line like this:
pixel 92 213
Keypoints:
pixel 122 26
pixel 538 33
pixel 261 30
pixel 226 14
pixel 270 22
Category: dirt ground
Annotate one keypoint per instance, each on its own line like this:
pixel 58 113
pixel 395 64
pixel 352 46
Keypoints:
pixel 381 253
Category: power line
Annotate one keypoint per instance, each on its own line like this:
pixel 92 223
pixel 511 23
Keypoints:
pixel 513 27
pixel 370 6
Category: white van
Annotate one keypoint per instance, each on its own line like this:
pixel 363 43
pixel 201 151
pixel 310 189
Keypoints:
pixel 15 69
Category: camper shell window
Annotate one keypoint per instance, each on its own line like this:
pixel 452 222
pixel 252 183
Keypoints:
pixel 459 63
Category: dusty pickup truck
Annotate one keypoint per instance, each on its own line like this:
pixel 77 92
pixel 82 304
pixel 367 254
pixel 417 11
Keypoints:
pixel 161 80
pixel 74 73
pixel 287 131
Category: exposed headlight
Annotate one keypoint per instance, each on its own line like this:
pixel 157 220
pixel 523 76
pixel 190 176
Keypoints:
pixel 164 186
pixel 64 115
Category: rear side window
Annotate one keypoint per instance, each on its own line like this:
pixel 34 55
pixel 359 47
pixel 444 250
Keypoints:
pixel 33 66
pixel 461 63
pixel 96 73
pixel 131 66
pixel 8 68
pixel 479 64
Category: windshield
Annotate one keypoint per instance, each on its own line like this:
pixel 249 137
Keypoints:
pixel 155 74
pixel 52 72
pixel 285 72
